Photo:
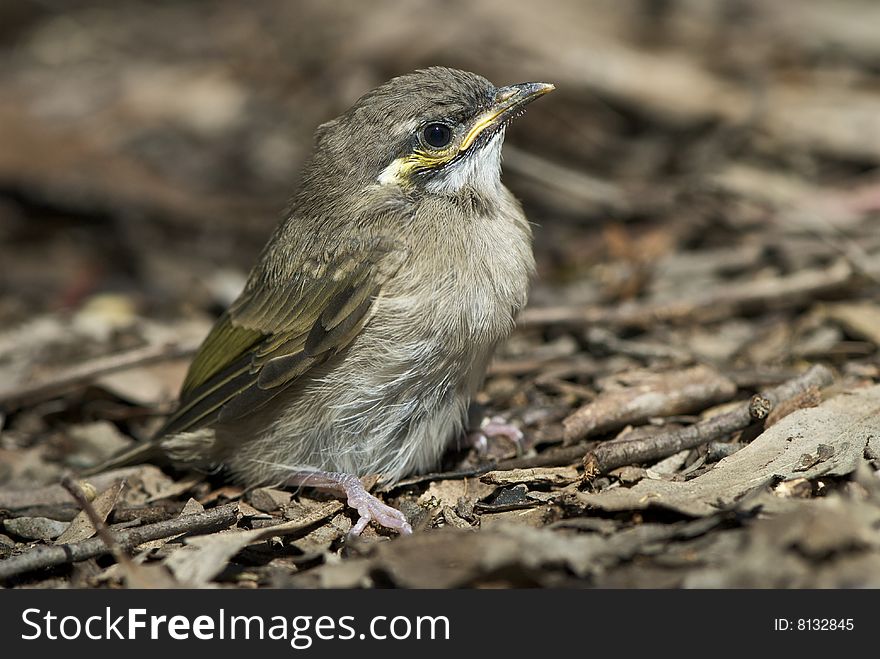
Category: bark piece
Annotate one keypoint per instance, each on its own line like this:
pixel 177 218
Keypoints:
pixel 835 432
pixel 656 394
pixel 534 476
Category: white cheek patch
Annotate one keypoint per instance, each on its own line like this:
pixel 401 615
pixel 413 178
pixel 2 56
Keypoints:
pixel 393 174
pixel 480 170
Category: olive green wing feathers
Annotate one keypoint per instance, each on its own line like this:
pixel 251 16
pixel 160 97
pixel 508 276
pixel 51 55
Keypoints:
pixel 278 330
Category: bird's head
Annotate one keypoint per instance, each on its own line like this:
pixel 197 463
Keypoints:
pixel 433 131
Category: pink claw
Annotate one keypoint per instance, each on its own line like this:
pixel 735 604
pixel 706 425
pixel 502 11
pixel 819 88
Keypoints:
pixel 369 508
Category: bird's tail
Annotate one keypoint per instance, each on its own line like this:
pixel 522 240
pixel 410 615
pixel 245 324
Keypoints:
pixel 143 452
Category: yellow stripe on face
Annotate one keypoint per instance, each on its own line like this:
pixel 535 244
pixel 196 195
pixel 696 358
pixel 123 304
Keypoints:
pixel 486 120
pixel 401 169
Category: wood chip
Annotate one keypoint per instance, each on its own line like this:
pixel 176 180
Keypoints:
pixel 534 476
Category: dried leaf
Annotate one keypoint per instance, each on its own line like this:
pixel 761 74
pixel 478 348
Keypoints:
pixel 204 557
pixel 35 528
pixel 450 492
pixel 268 499
pixel 453 558
pixel 81 527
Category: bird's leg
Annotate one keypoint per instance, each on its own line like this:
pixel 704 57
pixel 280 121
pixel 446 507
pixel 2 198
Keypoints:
pixel 368 506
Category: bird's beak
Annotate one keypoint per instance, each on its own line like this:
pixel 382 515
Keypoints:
pixel 509 101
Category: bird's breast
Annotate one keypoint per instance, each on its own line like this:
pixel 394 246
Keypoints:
pixel 466 278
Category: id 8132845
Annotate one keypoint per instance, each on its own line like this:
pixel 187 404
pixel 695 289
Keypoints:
pixel 813 624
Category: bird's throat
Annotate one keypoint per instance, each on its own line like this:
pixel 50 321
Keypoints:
pixel 479 170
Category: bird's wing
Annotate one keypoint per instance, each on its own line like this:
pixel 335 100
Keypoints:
pixel 278 331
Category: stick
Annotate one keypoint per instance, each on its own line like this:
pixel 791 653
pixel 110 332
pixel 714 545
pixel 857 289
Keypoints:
pixel 439 476
pixel 566 180
pixel 43 557
pixel 737 297
pixel 651 394
pixel 557 456
pixel 611 455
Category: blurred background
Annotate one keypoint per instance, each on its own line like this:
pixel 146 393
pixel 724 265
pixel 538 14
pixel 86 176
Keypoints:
pixel 704 179
pixel 705 190
pixel 149 147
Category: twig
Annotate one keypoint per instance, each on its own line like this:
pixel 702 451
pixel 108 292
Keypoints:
pixel 557 456
pixel 529 365
pixel 568 181
pixel 611 455
pixel 609 342
pixel 652 394
pixel 43 557
pixel 76 376
pixel 736 298
pixel 439 476
pixel 716 451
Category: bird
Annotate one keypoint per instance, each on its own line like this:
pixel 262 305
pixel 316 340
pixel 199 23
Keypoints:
pixel 366 325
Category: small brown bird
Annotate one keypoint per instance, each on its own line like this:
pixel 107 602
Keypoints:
pixel 367 324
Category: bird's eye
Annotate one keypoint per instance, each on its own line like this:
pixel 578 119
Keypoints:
pixel 437 135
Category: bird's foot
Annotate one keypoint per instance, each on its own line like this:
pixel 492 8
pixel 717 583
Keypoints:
pixel 368 506
pixel 493 427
